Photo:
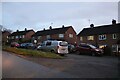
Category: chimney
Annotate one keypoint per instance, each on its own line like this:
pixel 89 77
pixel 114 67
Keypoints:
pixel 91 25
pixel 113 21
pixel 25 29
pixel 63 26
pixel 50 27
pixel 17 30
pixel 44 29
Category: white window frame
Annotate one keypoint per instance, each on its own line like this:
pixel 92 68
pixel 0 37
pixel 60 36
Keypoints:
pixel 20 36
pixel 23 36
pixel 61 35
pixel 114 36
pixel 70 35
pixel 90 37
pixel 81 38
pixel 48 36
pixel 12 37
pixel 39 37
pixel 102 37
pixel 16 37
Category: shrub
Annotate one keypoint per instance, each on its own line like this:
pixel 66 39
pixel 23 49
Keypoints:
pixel 107 51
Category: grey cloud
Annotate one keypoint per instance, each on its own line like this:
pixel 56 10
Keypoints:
pixel 76 14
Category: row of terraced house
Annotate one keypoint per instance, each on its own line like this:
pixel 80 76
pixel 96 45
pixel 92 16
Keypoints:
pixel 101 36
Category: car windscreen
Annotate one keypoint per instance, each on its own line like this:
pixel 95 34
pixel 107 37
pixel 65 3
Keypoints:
pixel 92 46
pixel 63 43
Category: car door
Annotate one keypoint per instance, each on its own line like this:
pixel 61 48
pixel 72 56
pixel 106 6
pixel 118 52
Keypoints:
pixel 85 49
pixel 48 46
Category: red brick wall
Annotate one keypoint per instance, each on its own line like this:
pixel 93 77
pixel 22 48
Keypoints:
pixel 4 36
pixel 109 41
pixel 66 36
pixel 28 35
pixel 68 39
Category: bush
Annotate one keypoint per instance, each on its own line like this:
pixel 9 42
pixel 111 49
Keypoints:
pixel 107 51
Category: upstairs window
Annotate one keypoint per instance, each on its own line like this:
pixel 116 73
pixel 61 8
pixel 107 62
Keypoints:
pixel 39 37
pixel 102 37
pixel 114 36
pixel 70 35
pixel 20 36
pixel 90 37
pixel 23 36
pixel 81 38
pixel 16 37
pixel 12 37
pixel 61 35
pixel 48 36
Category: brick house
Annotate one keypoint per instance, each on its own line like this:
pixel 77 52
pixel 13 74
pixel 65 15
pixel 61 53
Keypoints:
pixel 64 33
pixel 21 36
pixel 5 35
pixel 101 36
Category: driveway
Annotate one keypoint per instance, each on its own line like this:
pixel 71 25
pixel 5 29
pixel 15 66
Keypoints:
pixel 17 67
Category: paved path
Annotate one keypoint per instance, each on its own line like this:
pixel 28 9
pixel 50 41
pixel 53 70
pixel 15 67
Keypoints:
pixel 16 67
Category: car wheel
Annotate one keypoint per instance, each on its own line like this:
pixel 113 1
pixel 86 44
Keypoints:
pixel 62 54
pixel 52 51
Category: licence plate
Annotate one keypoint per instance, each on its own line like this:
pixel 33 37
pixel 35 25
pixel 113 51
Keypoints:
pixel 62 49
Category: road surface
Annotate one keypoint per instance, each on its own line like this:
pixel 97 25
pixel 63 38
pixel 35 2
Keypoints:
pixel 16 67
pixel 72 66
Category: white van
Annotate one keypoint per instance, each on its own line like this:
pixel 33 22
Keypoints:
pixel 60 47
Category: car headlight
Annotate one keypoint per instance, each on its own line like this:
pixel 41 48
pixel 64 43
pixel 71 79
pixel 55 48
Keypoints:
pixel 96 49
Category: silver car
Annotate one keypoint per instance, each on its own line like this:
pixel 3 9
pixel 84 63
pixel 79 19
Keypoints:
pixel 60 47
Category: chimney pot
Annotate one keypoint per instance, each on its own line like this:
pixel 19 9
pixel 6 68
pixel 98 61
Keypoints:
pixel 113 21
pixel 63 26
pixel 44 29
pixel 92 25
pixel 50 27
pixel 25 29
pixel 17 30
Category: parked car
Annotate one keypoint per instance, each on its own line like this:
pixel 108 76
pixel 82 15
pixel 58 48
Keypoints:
pixel 14 44
pixel 27 46
pixel 60 47
pixel 71 48
pixel 84 48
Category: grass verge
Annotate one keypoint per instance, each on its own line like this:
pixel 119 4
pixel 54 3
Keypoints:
pixel 34 53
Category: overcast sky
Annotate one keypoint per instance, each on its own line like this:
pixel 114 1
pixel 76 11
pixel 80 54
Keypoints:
pixel 39 15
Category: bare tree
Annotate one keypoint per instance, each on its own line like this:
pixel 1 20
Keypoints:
pixel 4 29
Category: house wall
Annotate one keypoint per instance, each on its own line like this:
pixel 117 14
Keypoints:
pixel 109 40
pixel 66 36
pixel 41 39
pixel 4 37
pixel 55 36
pixel 68 39
pixel 28 36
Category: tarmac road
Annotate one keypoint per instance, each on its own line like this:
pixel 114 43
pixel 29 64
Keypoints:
pixel 16 67
pixel 72 66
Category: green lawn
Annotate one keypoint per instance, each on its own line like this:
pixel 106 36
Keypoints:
pixel 34 53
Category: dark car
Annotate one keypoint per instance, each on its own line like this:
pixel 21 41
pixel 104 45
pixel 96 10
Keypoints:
pixel 27 46
pixel 14 44
pixel 84 48
pixel 71 48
